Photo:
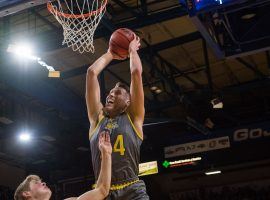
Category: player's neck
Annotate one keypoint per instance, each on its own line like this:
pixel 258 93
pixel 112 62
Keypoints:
pixel 112 113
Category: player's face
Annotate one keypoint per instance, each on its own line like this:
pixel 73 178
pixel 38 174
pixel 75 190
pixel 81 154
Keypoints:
pixel 39 190
pixel 117 100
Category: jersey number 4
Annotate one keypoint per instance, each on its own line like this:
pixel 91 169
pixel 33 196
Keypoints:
pixel 119 145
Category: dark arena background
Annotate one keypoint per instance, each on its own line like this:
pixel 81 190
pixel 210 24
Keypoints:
pixel 207 97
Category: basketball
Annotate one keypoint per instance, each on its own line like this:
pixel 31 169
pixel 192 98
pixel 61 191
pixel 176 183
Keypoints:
pixel 119 42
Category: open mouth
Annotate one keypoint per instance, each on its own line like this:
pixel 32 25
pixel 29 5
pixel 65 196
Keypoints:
pixel 110 101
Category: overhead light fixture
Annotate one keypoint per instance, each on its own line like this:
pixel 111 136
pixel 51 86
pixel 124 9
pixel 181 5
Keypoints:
pixel 248 16
pixel 25 136
pixel 158 91
pixel 48 138
pixel 153 88
pixel 209 123
pixel 5 120
pixel 213 172
pixel 24 51
pixel 217 103
pixel 21 50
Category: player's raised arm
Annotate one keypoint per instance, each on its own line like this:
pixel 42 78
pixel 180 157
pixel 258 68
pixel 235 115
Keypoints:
pixel 136 108
pixel 104 180
pixel 92 95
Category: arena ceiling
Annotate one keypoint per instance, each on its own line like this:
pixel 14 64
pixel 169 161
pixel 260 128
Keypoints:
pixel 176 59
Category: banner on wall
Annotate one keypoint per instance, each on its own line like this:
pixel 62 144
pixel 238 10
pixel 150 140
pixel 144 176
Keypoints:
pixel 197 147
pixel 148 168
pixel 179 163
pixel 249 134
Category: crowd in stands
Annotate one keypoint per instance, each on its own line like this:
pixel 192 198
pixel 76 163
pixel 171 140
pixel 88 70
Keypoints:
pixel 225 193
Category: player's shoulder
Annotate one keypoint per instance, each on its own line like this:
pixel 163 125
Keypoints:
pixel 95 123
pixel 136 125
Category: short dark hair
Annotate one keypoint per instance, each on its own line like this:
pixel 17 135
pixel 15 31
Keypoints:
pixel 122 85
pixel 25 186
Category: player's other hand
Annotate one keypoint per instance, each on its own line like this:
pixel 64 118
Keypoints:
pixel 105 143
pixel 134 44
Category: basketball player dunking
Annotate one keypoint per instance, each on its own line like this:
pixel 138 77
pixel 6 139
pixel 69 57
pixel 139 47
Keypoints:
pixel 122 116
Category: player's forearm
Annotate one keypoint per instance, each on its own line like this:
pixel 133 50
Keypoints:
pixel 100 64
pixel 135 63
pixel 104 179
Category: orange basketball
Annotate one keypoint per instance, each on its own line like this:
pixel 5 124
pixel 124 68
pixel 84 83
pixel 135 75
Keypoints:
pixel 119 41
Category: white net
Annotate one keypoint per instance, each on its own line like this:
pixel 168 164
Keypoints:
pixel 79 19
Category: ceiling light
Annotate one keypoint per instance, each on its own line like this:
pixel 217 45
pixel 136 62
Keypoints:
pixel 25 136
pixel 25 51
pixel 48 138
pixel 6 120
pixel 153 88
pixel 248 16
pixel 158 91
pixel 209 123
pixel 21 50
pixel 217 103
pixel 213 172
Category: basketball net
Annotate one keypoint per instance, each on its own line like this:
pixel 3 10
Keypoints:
pixel 78 29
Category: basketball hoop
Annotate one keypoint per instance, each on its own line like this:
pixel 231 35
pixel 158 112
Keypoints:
pixel 79 19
